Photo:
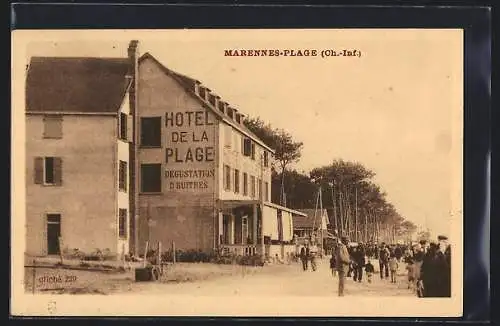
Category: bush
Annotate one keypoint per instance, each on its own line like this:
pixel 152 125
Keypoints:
pixel 74 253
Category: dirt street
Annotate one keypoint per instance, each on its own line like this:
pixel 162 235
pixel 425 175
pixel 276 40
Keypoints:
pixel 293 282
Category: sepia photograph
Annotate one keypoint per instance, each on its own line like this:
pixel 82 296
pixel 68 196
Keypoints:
pixel 237 172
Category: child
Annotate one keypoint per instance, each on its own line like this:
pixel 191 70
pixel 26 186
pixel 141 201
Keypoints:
pixel 369 269
pixel 393 266
pixel 333 265
pixel 411 274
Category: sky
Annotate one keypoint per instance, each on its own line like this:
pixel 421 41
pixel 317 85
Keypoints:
pixel 396 109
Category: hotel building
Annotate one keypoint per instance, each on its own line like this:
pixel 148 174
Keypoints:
pixel 125 151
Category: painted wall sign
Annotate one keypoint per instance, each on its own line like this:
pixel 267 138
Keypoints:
pixel 190 150
pixel 200 149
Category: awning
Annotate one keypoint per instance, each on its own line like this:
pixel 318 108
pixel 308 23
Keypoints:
pixel 228 205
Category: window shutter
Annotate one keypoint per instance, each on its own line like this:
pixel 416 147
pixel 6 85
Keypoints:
pixel 57 171
pixel 130 129
pixel 39 170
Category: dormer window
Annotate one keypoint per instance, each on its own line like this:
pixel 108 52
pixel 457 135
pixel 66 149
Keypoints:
pixel 230 112
pixel 211 99
pixel 238 117
pixel 222 106
pixel 201 92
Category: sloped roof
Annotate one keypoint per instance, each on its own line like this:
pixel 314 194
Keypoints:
pixel 71 84
pixel 301 222
pixel 189 84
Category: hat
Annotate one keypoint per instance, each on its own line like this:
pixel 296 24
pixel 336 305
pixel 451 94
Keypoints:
pixel 442 237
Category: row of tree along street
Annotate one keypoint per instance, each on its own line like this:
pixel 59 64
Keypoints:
pixel 356 205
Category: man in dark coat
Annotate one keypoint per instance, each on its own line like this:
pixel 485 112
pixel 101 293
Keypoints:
pixel 443 267
pixel 359 263
pixel 429 272
pixel 383 259
pixel 304 257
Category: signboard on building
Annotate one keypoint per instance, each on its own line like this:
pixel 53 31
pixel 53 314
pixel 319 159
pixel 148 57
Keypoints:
pixel 190 151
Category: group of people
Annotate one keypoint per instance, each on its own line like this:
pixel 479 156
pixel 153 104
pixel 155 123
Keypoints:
pixel 308 253
pixel 427 265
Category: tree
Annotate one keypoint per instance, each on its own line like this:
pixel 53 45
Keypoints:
pixel 424 235
pixel 301 191
pixel 407 229
pixel 287 151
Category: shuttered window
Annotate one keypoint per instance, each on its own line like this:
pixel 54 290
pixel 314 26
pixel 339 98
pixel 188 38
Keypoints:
pixel 122 223
pixel 252 186
pixel 245 184
pixel 236 181
pixel 48 171
pixel 259 189
pixel 122 176
pixel 123 126
pixel 228 136
pixel 52 126
pixel 266 158
pixel 227 177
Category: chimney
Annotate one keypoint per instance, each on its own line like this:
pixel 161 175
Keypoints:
pixel 133 56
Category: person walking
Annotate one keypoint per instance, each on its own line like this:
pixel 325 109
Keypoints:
pixel 313 252
pixel 359 263
pixel 383 259
pixel 333 265
pixel 410 268
pixel 369 269
pixel 342 260
pixel 304 257
pixel 393 265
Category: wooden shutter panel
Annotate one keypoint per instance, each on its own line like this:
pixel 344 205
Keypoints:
pixel 57 171
pixel 130 129
pixel 39 170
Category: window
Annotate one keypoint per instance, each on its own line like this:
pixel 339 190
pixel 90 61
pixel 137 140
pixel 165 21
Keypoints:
pixel 227 177
pixel 123 126
pixel 122 223
pixel 52 126
pixel 259 188
pixel 150 178
pixel 245 184
pixel 236 142
pixel 252 154
pixel 230 112
pixel 238 117
pixel 247 146
pixel 252 186
pixel 266 158
pixel 151 132
pixel 236 181
pixel 228 134
pixel 48 170
pixel 266 191
pixel 122 176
